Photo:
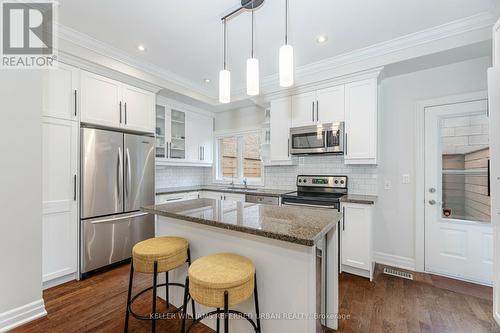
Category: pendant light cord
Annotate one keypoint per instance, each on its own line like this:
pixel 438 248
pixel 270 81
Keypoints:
pixel 252 26
pixel 224 43
pixel 286 22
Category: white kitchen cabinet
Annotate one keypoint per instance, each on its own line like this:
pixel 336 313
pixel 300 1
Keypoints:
pixel 361 122
pixel 100 100
pixel 107 102
pixel 138 107
pixel 222 196
pixel 317 107
pixel 206 139
pixel 59 200
pixel 61 92
pixel 176 197
pixel 304 109
pixel 356 239
pixel 330 104
pixel 280 123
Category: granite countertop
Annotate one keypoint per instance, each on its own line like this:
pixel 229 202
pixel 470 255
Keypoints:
pixel 299 225
pixel 224 189
pixel 360 199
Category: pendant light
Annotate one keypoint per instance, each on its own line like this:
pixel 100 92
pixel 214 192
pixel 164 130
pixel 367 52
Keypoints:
pixel 224 76
pixel 252 68
pixel 286 57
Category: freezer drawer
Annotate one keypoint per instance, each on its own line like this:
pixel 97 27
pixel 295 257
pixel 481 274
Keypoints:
pixel 109 240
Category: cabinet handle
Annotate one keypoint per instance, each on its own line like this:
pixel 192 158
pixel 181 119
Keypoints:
pixel 317 111
pixel 167 153
pixel 199 154
pixel 288 147
pixel 345 145
pixel 203 153
pixel 76 99
pixel 125 113
pixel 74 188
pixel 343 218
pixel 313 111
pixel 120 112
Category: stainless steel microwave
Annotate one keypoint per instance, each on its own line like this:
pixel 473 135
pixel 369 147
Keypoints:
pixel 317 139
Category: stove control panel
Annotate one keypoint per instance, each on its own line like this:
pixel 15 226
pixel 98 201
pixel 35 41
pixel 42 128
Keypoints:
pixel 322 181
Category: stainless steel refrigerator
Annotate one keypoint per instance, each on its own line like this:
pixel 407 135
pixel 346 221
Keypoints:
pixel 117 178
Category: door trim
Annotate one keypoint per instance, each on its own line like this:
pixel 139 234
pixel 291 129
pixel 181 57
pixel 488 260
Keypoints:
pixel 421 106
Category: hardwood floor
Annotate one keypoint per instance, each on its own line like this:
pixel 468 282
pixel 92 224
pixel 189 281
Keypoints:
pixel 390 304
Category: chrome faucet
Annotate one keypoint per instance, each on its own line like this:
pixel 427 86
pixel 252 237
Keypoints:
pixel 245 183
pixel 232 180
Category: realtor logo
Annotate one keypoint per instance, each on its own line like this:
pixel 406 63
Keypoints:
pixel 28 34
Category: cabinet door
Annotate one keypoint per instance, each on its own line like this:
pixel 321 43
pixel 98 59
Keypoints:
pixel 330 106
pixel 280 130
pixel 211 195
pixel 59 197
pixel 206 138
pixel 304 109
pixel 100 100
pixel 361 122
pixel 60 92
pixel 234 197
pixel 139 109
pixel 177 134
pixel 193 129
pixel 356 236
pixel 169 198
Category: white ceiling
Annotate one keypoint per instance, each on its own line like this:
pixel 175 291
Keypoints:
pixel 185 36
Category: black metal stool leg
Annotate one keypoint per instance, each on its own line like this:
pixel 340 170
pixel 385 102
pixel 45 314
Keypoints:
pixel 226 312
pixel 155 277
pixel 184 307
pixel 218 320
pixel 192 300
pixel 129 295
pixel 166 290
pixel 256 297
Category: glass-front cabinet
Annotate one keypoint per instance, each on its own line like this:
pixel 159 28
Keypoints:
pixel 177 145
pixel 161 142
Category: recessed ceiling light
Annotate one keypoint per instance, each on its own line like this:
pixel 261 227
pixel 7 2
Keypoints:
pixel 321 39
pixel 206 80
pixel 141 48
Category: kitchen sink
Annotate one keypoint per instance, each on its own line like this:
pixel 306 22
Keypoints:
pixel 241 189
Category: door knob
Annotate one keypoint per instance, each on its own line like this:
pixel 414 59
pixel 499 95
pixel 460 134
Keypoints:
pixel 432 190
pixel 432 202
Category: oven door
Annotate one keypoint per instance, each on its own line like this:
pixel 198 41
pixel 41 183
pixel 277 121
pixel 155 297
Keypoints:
pixel 307 140
pixel 290 201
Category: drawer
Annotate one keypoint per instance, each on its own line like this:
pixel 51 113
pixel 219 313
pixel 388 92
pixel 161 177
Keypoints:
pixel 262 199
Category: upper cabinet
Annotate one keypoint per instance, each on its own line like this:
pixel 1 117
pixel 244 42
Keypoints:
pixel 183 137
pixel 280 123
pixel 360 146
pixel 321 106
pixel 496 44
pixel 111 103
pixel 61 92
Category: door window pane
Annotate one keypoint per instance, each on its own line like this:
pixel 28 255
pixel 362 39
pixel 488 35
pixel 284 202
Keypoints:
pixel 465 168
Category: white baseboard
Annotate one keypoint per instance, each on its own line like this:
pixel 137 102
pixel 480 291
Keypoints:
pixel 21 315
pixel 60 280
pixel 395 261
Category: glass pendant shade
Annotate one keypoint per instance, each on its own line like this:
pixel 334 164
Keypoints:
pixel 224 86
pixel 286 65
pixel 252 76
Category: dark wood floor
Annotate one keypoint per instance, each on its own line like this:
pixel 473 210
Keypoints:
pixel 390 304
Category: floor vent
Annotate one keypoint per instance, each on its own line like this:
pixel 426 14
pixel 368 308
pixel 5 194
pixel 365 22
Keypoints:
pixel 394 272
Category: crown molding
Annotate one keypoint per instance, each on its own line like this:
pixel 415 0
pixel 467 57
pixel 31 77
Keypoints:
pixel 167 79
pixel 182 106
pixel 457 33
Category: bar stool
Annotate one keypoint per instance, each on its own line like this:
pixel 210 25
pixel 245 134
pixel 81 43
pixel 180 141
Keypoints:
pixel 156 255
pixel 220 281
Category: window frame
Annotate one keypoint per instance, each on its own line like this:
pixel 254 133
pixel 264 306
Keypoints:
pixel 217 177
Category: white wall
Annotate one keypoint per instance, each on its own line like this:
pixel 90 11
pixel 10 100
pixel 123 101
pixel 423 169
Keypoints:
pixel 395 210
pixel 20 195
pixel 249 117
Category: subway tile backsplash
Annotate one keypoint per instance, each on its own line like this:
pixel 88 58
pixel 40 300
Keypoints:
pixel 362 179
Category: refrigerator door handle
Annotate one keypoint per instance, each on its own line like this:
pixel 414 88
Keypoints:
pixel 128 180
pixel 119 175
pixel 118 218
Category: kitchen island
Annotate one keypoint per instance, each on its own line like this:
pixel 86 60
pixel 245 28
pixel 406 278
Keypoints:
pixel 294 249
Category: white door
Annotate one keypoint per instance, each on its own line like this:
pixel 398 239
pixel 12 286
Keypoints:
pixel 206 138
pixel 60 92
pixel 101 100
pixel 361 121
pixel 139 109
pixel 193 128
pixel 330 107
pixel 60 195
pixel 458 230
pixel 280 130
pixel 304 109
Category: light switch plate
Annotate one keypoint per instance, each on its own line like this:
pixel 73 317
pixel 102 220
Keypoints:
pixel 406 178
pixel 388 185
